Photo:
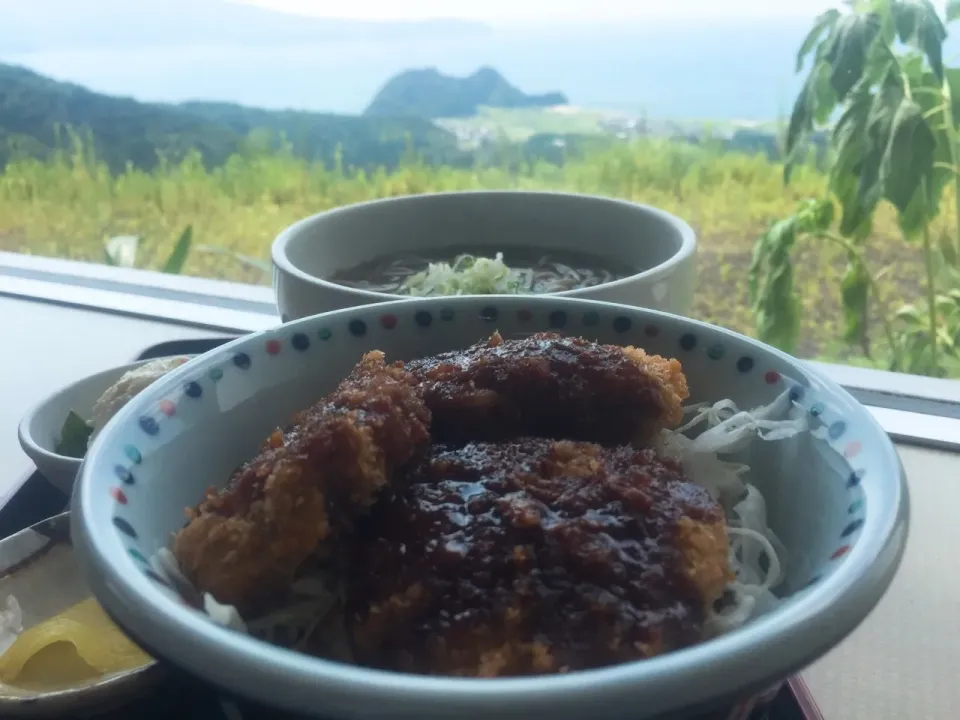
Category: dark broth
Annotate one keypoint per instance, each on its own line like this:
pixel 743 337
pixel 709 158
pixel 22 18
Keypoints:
pixel 544 272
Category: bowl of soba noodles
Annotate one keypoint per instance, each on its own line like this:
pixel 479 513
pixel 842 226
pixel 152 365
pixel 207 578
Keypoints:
pixel 485 243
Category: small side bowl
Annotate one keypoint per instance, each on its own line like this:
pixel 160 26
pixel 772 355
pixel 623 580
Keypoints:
pixel 659 245
pixel 39 429
pixel 39 569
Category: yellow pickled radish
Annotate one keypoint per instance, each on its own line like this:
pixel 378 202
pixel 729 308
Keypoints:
pixel 78 645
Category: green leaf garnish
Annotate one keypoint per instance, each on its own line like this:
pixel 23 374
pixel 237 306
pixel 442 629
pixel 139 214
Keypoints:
pixel 74 436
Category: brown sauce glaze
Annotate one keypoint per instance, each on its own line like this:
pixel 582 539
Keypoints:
pixel 536 556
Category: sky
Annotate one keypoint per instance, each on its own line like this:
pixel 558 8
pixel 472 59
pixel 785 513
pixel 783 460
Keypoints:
pixel 527 11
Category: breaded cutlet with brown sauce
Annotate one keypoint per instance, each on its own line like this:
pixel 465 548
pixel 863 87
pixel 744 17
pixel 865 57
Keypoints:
pixel 548 385
pixel 535 556
pixel 244 543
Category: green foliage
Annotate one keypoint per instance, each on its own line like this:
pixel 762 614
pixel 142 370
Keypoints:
pixel 430 94
pixel 824 23
pixel 366 142
pixel 771 274
pixel 953 10
pixel 178 258
pixel 855 298
pixel 919 26
pixel 70 204
pixel 845 50
pixel 879 63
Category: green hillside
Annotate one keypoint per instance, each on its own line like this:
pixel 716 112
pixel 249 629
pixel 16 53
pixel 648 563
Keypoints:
pixel 36 111
pixel 363 141
pixel 428 93
pixel 37 115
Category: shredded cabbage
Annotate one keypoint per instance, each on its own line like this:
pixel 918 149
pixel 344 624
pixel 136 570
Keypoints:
pixel 756 553
pixel 467 275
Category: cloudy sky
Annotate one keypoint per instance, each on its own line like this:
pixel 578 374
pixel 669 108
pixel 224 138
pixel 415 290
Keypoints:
pixel 525 11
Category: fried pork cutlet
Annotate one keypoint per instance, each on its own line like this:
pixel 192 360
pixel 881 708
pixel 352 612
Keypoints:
pixel 535 556
pixel 244 543
pixel 550 386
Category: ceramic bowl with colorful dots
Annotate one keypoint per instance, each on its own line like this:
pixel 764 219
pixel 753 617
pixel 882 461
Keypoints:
pixel 800 518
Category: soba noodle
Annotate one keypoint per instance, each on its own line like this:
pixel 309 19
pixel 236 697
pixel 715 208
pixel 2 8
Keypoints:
pixel 528 272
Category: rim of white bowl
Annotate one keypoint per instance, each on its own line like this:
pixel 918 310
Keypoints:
pixel 820 618
pixel 278 251
pixel 25 430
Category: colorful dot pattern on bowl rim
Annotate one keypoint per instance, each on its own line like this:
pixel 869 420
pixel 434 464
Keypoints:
pixel 833 427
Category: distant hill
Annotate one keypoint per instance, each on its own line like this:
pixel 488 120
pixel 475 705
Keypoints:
pixel 35 110
pixel 428 93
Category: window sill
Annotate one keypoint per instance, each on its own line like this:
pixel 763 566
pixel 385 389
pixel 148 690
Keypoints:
pixel 913 410
pixel 226 307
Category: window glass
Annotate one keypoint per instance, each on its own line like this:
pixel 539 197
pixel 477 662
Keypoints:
pixel 813 147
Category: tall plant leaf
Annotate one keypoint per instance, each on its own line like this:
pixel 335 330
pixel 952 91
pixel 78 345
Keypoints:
pixel 821 26
pixel 907 168
pixel 824 98
pixel 878 129
pixel 928 93
pixel 816 216
pixel 849 140
pixel 919 26
pixel 174 264
pixel 801 117
pixel 770 279
pixel 850 42
pixel 855 296
pixel 775 305
pixel 953 10
pixel 952 81
pixel 781 329
pixel 815 103
pixel 948 254
pixel 844 46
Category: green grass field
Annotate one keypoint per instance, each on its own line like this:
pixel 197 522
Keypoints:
pixel 68 206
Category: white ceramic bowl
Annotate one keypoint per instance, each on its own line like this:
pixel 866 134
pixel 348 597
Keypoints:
pixel 306 254
pixel 39 429
pixel 836 497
